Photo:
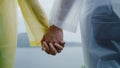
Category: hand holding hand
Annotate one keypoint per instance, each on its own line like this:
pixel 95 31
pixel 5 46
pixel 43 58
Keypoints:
pixel 52 42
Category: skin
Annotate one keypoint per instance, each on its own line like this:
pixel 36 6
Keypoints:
pixel 52 42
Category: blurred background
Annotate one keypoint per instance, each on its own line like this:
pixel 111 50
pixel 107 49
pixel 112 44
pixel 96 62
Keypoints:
pixel 34 57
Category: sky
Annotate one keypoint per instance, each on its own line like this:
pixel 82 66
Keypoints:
pixel 47 4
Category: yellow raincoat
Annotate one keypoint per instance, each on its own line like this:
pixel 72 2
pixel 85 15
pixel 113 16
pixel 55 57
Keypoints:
pixel 35 20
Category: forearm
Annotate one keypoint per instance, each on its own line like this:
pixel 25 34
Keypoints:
pixel 65 14
pixel 61 9
pixel 38 11
pixel 35 20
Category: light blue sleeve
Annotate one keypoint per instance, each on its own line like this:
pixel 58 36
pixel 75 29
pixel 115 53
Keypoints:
pixel 65 14
pixel 116 6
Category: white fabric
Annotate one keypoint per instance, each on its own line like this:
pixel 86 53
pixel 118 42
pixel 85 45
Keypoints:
pixel 66 13
pixel 116 6
pixel 100 28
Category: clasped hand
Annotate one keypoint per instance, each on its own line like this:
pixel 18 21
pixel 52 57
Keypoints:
pixel 52 41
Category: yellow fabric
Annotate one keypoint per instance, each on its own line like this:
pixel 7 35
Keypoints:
pixel 36 23
pixel 35 20
pixel 8 32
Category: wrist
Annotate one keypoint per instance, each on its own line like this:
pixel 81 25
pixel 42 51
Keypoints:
pixel 55 27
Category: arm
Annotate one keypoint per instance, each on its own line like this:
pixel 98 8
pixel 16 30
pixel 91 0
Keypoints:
pixel 60 12
pixel 65 14
pixel 37 25
pixel 35 20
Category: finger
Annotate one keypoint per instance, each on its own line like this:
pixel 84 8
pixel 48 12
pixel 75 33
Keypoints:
pixel 52 49
pixel 43 39
pixel 62 43
pixel 43 49
pixel 58 46
pixel 59 51
pixel 42 45
pixel 47 50
pixel 46 46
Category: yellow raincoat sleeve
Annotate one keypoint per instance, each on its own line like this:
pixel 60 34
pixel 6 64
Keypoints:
pixel 35 20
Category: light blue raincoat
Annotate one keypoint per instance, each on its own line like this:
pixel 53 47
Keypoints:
pixel 100 28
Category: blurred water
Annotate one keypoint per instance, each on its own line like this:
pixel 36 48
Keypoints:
pixel 71 57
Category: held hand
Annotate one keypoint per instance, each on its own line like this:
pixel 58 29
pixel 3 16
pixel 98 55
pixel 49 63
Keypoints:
pixel 52 42
pixel 52 49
